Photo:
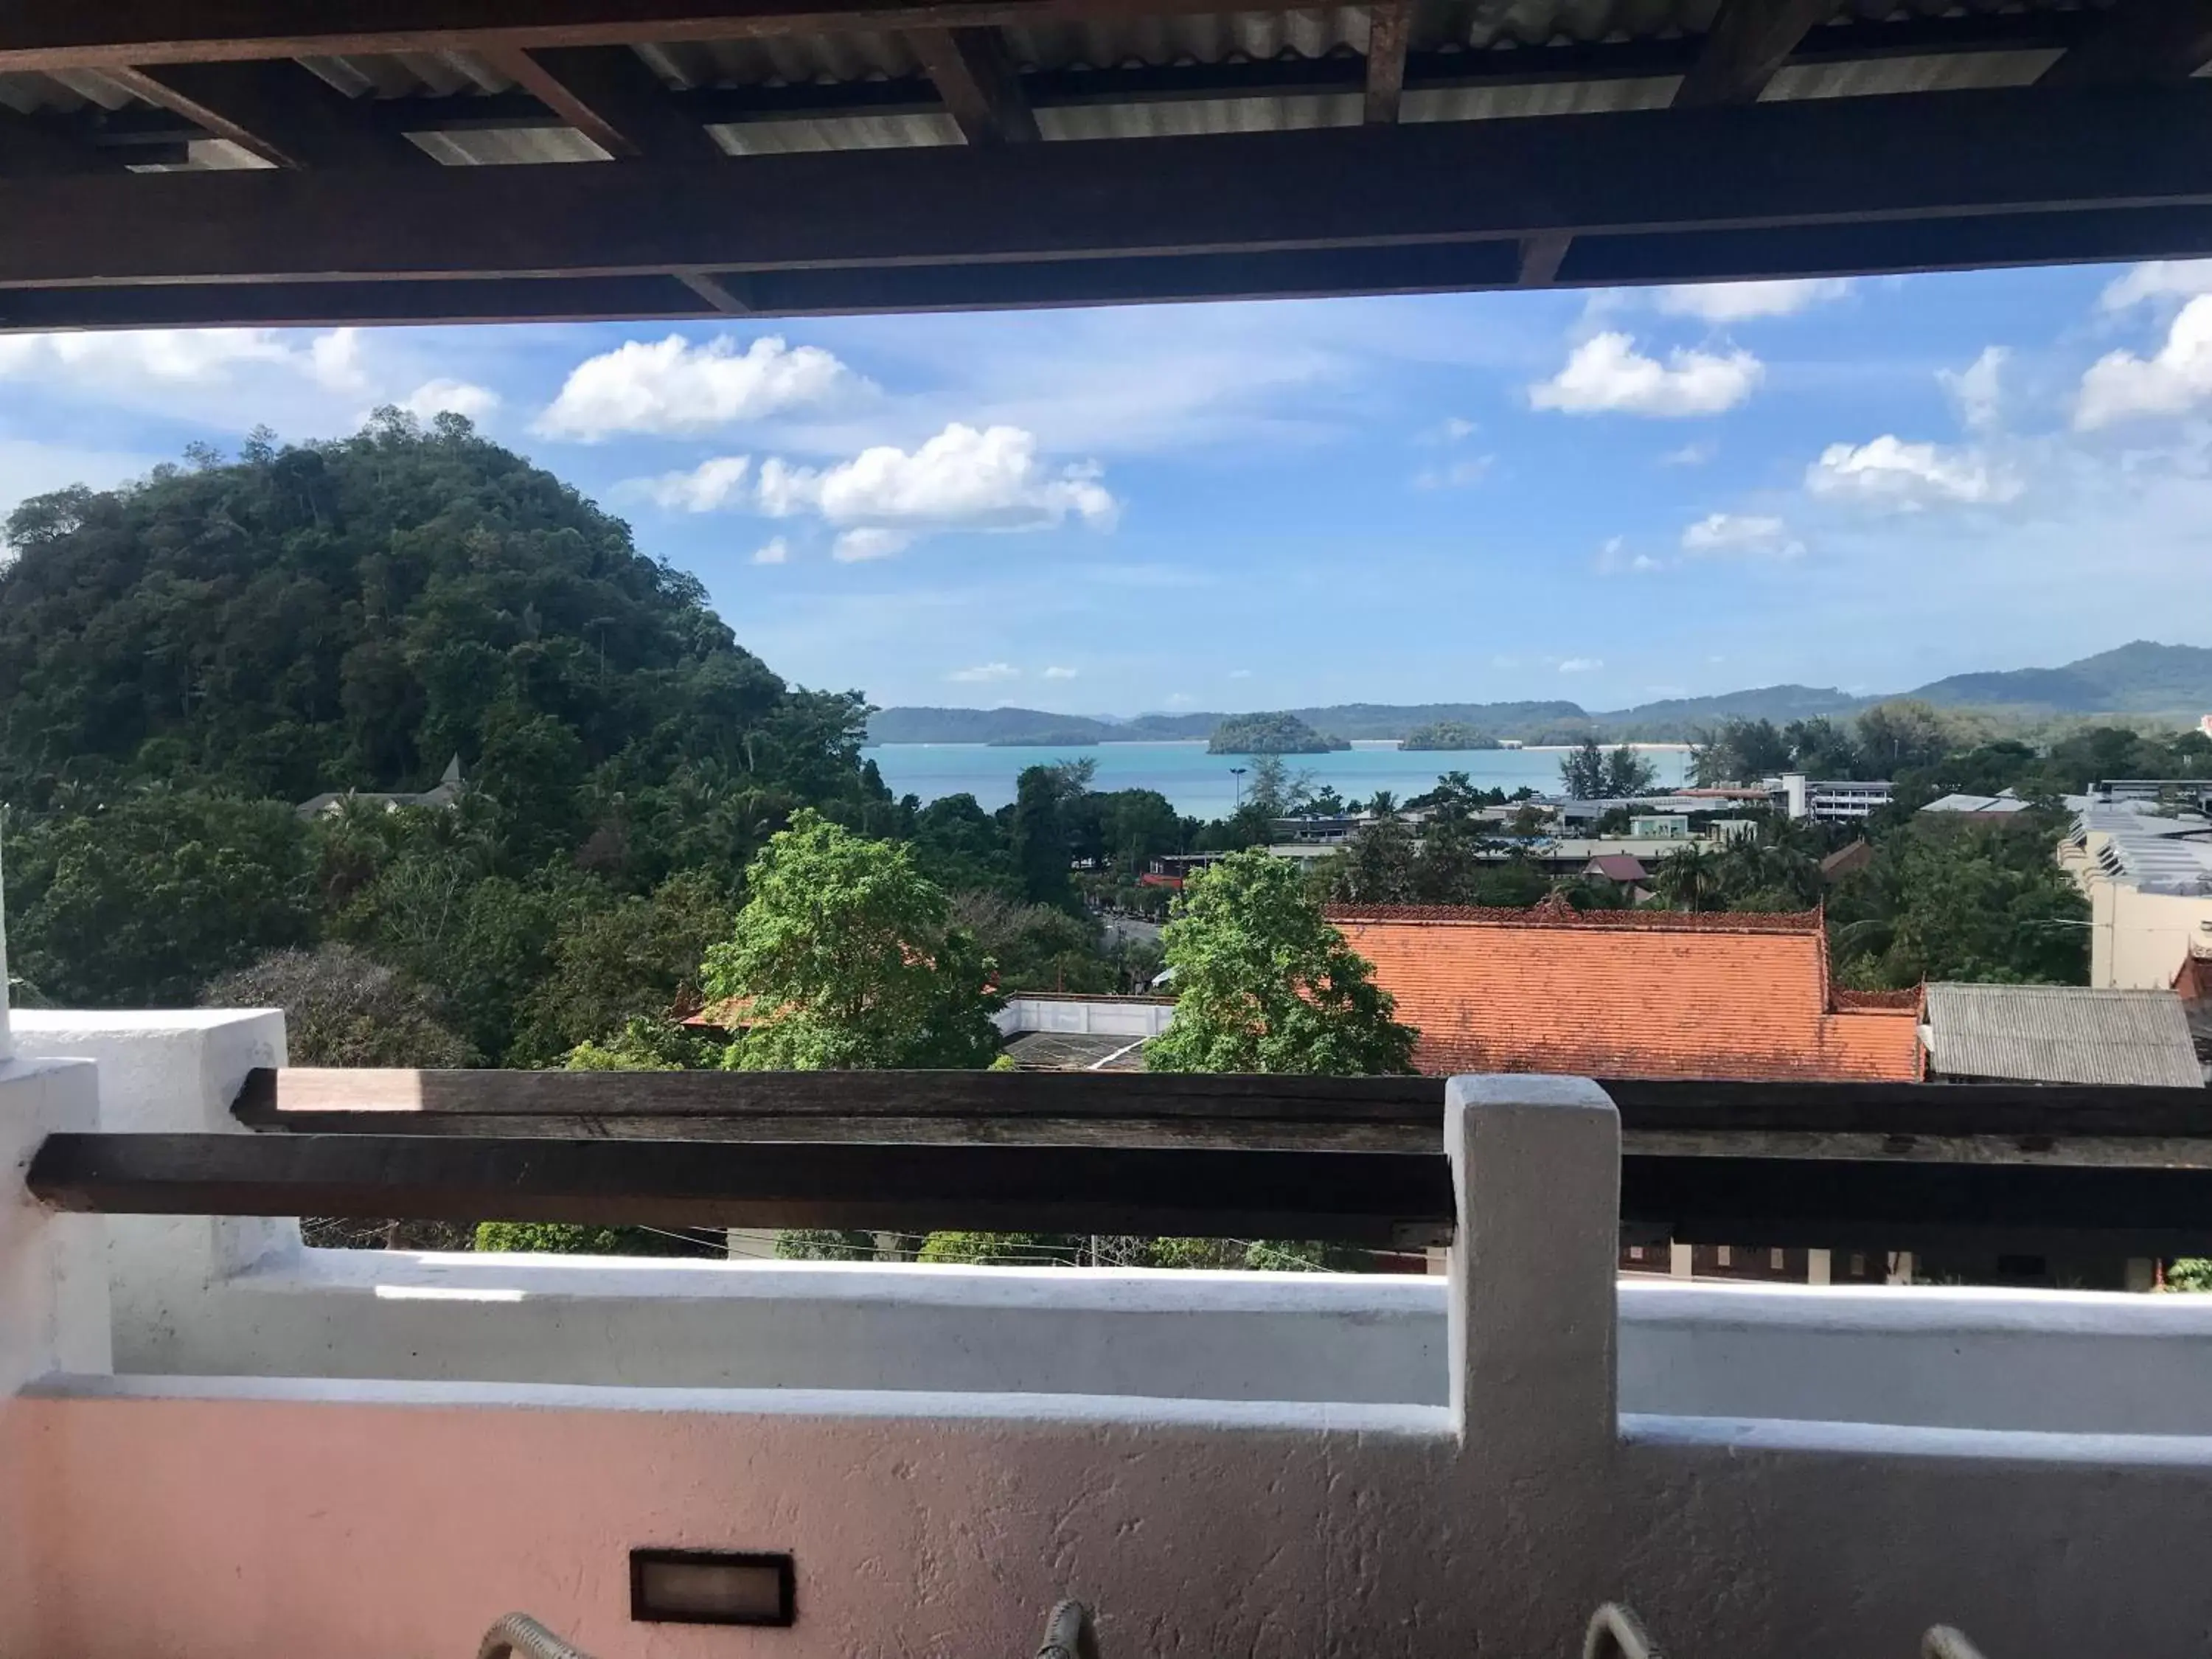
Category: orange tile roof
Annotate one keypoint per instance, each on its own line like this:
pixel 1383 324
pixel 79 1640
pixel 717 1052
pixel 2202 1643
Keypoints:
pixel 1627 993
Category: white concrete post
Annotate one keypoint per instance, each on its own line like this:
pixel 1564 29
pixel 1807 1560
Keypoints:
pixel 1536 1165
pixel 1536 1162
pixel 169 1072
pixel 53 1268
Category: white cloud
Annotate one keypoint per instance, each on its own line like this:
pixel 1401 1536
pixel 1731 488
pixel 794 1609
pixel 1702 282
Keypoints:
pixel 1977 389
pixel 2121 385
pixel 334 360
pixel 195 355
pixel 1906 478
pixel 1456 428
pixel 1057 673
pixel 706 487
pixel 1581 664
pixel 672 386
pixel 2160 279
pixel 1457 476
pixel 1690 455
pixel 1240 673
pixel 1613 557
pixel 1733 302
pixel 1741 535
pixel 776 551
pixel 984 672
pixel 456 397
pixel 961 479
pixel 866 542
pixel 1606 375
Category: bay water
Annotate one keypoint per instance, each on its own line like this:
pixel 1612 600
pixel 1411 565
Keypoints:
pixel 1204 786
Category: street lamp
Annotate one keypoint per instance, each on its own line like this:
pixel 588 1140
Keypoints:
pixel 1237 773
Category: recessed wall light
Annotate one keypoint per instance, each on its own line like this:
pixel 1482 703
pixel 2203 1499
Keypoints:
pixel 709 1587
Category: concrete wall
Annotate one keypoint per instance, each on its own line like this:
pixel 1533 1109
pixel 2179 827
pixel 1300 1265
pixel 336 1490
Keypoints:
pixel 187 1517
pixel 2138 940
pixel 1090 1016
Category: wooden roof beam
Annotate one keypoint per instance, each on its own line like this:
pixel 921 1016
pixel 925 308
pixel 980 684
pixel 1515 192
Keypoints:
pixel 2029 160
pixel 47 35
pixel 975 75
pixel 1389 28
pixel 2140 41
pixel 281 112
pixel 1750 40
pixel 608 95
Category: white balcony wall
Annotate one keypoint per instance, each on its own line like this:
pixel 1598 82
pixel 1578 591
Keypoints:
pixel 1124 1017
pixel 230 1297
pixel 195 1517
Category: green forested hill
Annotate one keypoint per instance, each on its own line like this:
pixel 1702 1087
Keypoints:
pixel 351 615
pixel 184 659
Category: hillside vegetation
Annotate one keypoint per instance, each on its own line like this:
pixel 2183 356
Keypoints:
pixel 1270 734
pixel 184 659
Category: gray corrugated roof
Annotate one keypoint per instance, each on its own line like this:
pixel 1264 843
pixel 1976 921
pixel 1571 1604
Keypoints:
pixel 2061 1033
pixel 1866 49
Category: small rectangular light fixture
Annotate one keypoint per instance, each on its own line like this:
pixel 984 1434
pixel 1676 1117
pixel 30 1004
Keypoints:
pixel 709 1587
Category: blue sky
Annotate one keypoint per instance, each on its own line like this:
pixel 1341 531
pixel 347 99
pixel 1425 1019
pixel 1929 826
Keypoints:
pixel 1606 496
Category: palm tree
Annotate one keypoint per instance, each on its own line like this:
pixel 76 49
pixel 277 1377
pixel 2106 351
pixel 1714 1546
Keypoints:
pixel 1689 878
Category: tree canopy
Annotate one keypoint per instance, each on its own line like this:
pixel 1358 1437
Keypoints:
pixel 1264 983
pixel 1590 772
pixel 844 958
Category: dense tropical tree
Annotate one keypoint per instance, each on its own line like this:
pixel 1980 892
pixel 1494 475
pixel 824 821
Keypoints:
pixel 844 957
pixel 1264 983
pixel 343 1007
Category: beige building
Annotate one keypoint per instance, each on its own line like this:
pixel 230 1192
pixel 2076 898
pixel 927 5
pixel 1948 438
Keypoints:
pixel 2148 880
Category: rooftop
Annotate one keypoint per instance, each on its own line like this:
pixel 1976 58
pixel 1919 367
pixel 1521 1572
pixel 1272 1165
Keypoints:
pixel 2155 852
pixel 1625 994
pixel 2061 1033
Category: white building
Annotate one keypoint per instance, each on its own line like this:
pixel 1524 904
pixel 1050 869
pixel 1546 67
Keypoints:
pixel 1837 800
pixel 2147 877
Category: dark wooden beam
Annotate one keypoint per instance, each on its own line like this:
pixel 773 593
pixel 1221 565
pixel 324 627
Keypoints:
pixel 1384 1199
pixel 268 1095
pixel 1783 1203
pixel 2140 43
pixel 975 75
pixel 719 292
pixel 1750 39
pixel 1971 243
pixel 1857 162
pixel 279 112
pixel 1389 32
pixel 1542 258
pixel 608 95
pixel 1821 1121
pixel 50 35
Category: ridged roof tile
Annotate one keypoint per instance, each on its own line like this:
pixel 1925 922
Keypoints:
pixel 1626 994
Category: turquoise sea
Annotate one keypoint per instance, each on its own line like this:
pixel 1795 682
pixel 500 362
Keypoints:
pixel 1202 786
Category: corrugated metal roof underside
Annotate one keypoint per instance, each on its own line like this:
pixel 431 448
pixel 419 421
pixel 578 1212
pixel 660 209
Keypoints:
pixel 1497 38
pixel 2061 1033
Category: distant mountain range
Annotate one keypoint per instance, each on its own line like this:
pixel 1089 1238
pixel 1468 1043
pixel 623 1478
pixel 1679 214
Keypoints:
pixel 2139 678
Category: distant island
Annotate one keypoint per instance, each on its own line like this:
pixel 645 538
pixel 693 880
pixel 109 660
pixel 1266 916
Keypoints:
pixel 2171 682
pixel 1270 734
pixel 1059 737
pixel 1448 734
